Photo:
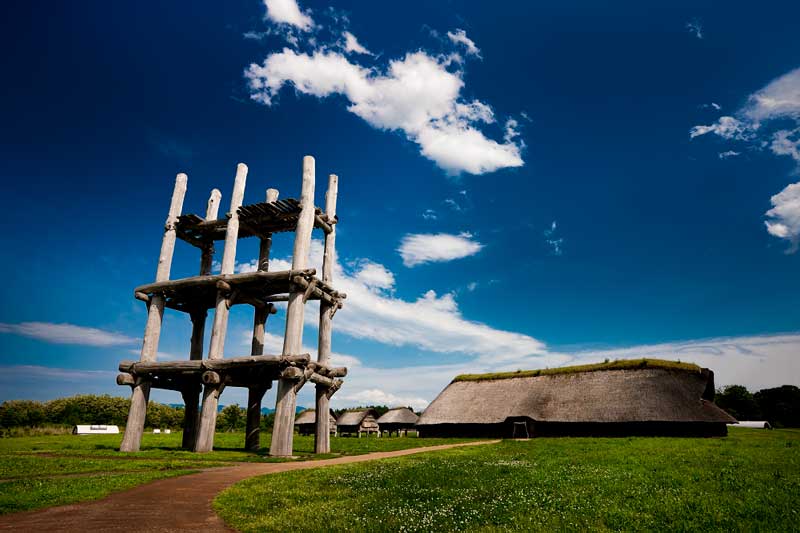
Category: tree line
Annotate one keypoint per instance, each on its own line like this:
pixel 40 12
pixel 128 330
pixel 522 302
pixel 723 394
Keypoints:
pixel 84 409
pixel 780 406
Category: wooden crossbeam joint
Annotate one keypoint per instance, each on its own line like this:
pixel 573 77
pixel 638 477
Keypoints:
pixel 142 296
pixel 337 384
pixel 309 289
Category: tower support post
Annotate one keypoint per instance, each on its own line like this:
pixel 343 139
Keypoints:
pixel 322 435
pixel 211 391
pixel 140 393
pixel 286 403
pixel 255 393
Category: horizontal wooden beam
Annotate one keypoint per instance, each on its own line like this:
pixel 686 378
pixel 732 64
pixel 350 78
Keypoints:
pixel 198 366
pixel 230 279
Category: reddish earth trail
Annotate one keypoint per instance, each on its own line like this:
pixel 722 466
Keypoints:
pixel 175 504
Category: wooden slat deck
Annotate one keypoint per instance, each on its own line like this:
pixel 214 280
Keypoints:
pixel 200 292
pixel 255 220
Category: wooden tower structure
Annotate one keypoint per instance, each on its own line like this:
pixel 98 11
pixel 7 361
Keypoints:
pixel 197 294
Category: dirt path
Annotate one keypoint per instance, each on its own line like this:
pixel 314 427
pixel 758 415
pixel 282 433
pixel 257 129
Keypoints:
pixel 175 504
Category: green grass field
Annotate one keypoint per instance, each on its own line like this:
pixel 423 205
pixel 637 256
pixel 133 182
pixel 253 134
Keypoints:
pixel 44 471
pixel 749 481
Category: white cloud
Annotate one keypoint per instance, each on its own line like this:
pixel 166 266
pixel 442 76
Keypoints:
pixel 453 204
pixel 288 12
pixel 460 37
pixel 379 397
pixel 67 334
pixel 784 216
pixel 34 382
pixel 431 322
pixel 429 214
pixel 695 28
pixel 351 44
pixel 160 356
pixel 778 99
pixel 786 142
pixel 552 240
pixel 417 95
pixel 775 104
pixel 375 275
pixel 725 127
pixel 420 248
pixel 273 345
pixel 255 35
pixel 758 361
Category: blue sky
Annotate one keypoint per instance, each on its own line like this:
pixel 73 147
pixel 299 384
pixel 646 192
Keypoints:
pixel 521 185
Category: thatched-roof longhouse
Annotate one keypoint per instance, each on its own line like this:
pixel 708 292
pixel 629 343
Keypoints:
pixel 641 397
pixel 397 420
pixel 307 420
pixel 360 421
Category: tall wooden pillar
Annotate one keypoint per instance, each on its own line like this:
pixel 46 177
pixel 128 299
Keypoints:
pixel 322 435
pixel 255 393
pixel 191 395
pixel 211 392
pixel 286 403
pixel 140 393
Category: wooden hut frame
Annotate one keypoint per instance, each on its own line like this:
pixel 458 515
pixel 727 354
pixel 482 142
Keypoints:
pixel 195 295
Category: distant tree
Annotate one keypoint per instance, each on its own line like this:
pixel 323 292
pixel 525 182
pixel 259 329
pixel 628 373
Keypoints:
pixel 267 421
pixel 231 418
pixel 16 413
pixel 738 402
pixel 163 416
pixel 780 405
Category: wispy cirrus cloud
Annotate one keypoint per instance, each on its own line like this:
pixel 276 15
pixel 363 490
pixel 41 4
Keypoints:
pixel 67 334
pixel 421 248
pixel 460 37
pixel 695 28
pixel 352 45
pixel 761 123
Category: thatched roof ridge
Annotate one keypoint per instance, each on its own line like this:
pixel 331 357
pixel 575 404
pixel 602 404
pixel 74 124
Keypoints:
pixel 354 418
pixel 622 364
pixel 646 394
pixel 398 415
pixel 309 416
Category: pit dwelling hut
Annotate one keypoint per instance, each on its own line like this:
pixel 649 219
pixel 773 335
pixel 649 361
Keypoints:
pixel 398 419
pixel 619 398
pixel 307 420
pixel 358 421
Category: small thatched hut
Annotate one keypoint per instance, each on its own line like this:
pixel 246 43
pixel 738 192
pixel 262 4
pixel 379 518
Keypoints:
pixel 358 422
pixel 306 422
pixel 397 420
pixel 633 397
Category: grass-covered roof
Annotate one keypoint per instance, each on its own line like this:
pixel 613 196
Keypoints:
pixel 622 364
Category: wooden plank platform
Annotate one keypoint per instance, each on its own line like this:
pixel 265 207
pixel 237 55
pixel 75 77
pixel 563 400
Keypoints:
pixel 255 220
pixel 199 293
